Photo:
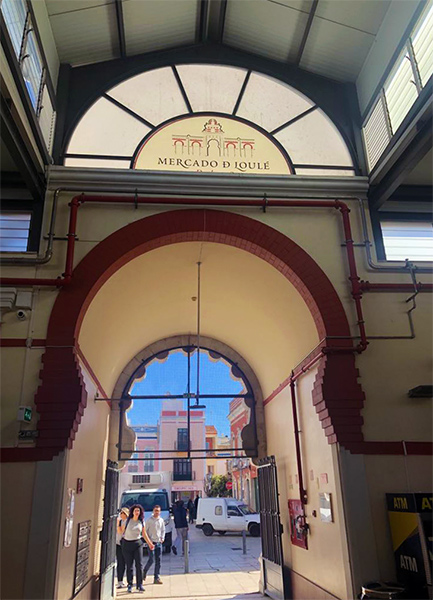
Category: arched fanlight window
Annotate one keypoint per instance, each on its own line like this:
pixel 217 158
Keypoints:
pixel 208 118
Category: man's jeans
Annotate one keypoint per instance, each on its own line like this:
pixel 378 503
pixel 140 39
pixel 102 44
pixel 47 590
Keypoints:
pixel 182 535
pixel 154 554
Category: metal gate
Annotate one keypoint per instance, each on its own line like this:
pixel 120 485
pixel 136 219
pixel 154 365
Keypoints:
pixel 271 529
pixel 108 533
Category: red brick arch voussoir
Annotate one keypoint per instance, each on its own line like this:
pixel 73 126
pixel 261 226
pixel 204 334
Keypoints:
pixel 61 397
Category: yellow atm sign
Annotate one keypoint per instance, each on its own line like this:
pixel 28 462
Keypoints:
pixel 411 503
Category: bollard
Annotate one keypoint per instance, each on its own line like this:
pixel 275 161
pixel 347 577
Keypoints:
pixel 244 542
pixel 186 554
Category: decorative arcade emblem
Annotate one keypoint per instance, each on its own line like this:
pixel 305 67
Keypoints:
pixel 211 144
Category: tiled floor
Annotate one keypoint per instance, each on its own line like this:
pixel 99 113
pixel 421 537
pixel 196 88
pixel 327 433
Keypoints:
pixel 218 570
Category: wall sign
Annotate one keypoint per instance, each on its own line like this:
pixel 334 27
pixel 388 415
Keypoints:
pixel 325 507
pixel 211 143
pixel 69 518
pixel 82 557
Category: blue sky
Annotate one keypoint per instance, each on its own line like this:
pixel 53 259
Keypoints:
pixel 171 377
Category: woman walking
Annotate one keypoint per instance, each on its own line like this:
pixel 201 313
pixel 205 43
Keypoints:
pixel 124 514
pixel 134 531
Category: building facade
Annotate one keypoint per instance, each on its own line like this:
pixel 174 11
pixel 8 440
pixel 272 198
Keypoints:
pixel 286 147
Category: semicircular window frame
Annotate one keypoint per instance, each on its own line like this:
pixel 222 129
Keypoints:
pixel 111 131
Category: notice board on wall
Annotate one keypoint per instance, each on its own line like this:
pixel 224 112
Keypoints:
pixel 83 554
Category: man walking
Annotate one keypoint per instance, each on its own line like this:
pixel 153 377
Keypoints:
pixel 155 528
pixel 181 524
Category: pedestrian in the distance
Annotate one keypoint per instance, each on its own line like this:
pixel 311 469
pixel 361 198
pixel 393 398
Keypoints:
pixel 134 531
pixel 190 508
pixel 197 498
pixel 181 524
pixel 155 528
pixel 124 514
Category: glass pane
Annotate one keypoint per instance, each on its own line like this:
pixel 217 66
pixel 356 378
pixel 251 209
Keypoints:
pixel 14 14
pixel 376 134
pixel 105 129
pixel 47 119
pixel 412 240
pixel 400 92
pixel 14 231
pixel 96 163
pixel 315 140
pixel 422 45
pixel 270 103
pixel 211 87
pixel 32 69
pixel 325 172
pixel 154 95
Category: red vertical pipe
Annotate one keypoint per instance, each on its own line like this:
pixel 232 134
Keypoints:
pixel 302 492
pixel 353 275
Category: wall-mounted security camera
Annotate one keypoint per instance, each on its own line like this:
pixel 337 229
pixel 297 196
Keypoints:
pixel 22 314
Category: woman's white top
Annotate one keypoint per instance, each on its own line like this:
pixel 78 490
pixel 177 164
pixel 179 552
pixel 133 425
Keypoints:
pixel 133 531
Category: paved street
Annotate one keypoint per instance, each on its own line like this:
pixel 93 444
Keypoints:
pixel 217 571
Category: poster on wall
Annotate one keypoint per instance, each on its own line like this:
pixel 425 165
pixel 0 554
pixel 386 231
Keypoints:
pixel 69 518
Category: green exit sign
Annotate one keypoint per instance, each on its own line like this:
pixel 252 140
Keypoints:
pixel 25 414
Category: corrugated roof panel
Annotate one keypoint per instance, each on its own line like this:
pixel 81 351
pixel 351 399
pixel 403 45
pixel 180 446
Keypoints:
pixel 67 6
pixel 156 24
pixel 86 36
pixel 357 14
pixel 265 28
pixel 335 51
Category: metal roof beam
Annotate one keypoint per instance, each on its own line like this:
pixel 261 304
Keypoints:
pixel 120 28
pixel 217 17
pixel 306 32
pixel 202 21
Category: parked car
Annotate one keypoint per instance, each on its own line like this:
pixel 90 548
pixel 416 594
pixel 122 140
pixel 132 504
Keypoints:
pixel 226 514
pixel 148 499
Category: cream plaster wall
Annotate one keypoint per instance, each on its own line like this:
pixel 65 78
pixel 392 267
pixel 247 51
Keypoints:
pixel 326 561
pixel 245 303
pixel 252 308
pixel 87 460
pixel 16 506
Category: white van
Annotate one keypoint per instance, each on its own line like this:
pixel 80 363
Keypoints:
pixel 226 514
pixel 148 498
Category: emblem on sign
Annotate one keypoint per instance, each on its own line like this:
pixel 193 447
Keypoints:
pixel 211 144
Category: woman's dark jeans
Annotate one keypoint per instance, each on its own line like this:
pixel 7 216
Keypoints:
pixel 133 551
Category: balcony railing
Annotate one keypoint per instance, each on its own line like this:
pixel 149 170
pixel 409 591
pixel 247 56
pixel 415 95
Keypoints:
pixel 183 476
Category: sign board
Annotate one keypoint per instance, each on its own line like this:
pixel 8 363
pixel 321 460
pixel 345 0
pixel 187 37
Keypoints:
pixel 325 507
pixel 24 414
pixel 410 518
pixel 229 485
pixel 83 555
pixel 28 434
pixel 212 144
pixel 69 517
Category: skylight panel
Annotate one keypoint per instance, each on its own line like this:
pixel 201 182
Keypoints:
pixel 154 95
pixel 212 87
pixel 105 129
pixel 270 103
